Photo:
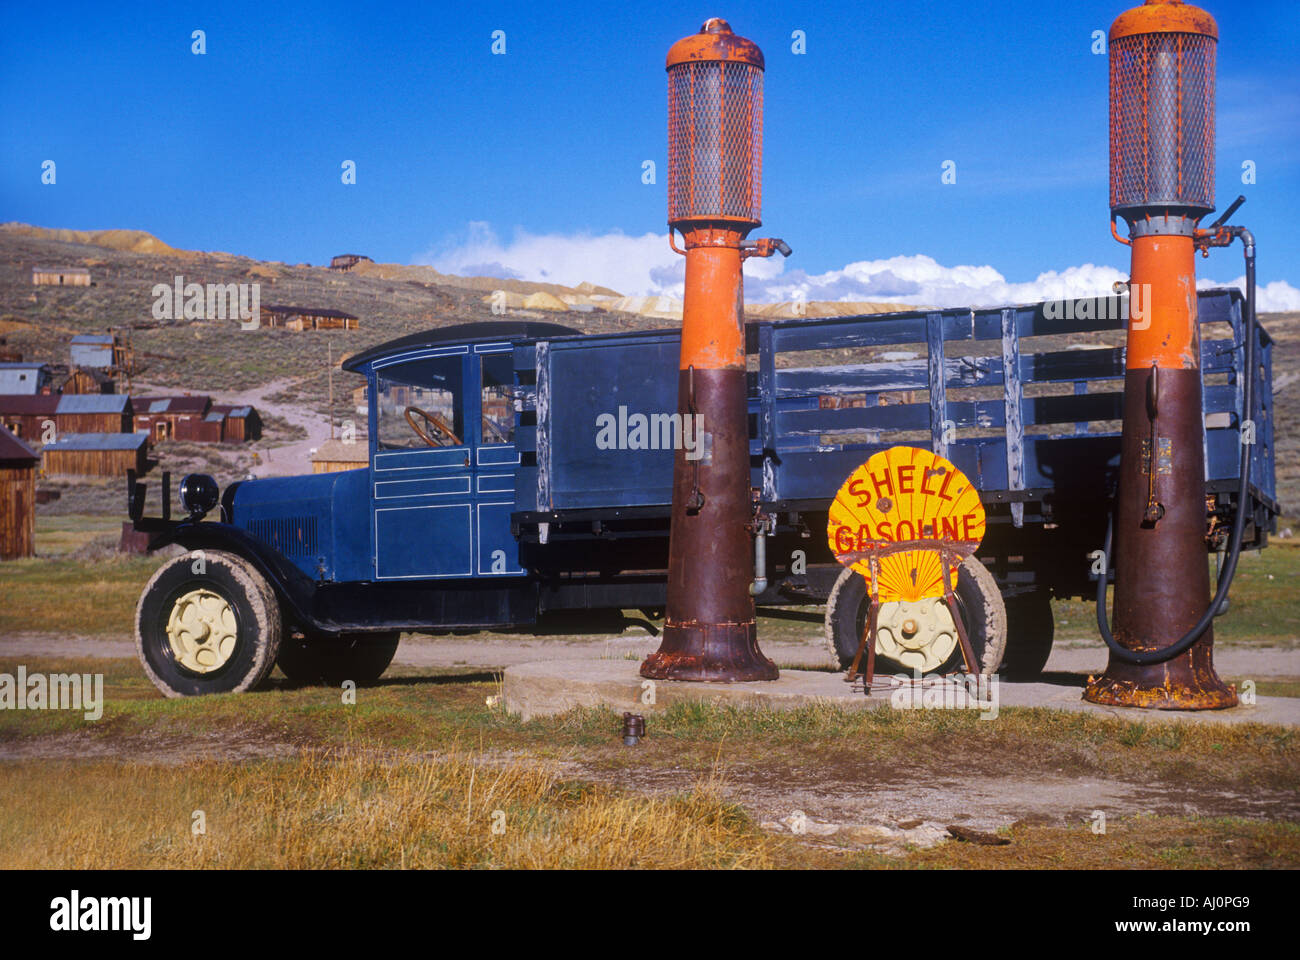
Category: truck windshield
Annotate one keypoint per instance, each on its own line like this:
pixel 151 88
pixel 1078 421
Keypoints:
pixel 420 404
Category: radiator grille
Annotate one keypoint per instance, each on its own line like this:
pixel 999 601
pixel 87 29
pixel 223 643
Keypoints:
pixel 292 536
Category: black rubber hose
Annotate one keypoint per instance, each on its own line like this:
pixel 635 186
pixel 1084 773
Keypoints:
pixel 1229 569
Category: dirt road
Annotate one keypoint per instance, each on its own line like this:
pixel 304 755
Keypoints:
pixel 495 651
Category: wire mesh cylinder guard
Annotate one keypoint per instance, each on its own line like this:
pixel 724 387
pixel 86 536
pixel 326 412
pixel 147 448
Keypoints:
pixel 1162 109
pixel 715 128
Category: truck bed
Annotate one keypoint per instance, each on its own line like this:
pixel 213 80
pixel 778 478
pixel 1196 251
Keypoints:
pixel 1032 420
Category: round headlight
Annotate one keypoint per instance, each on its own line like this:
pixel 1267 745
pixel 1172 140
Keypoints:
pixel 199 494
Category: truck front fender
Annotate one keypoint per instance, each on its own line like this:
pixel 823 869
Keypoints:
pixel 294 588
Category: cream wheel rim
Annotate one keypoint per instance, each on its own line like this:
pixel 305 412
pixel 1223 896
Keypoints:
pixel 201 631
pixel 916 634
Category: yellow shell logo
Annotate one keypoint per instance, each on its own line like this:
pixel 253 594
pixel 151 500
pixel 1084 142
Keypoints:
pixel 900 513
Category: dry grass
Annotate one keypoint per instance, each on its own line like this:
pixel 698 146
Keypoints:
pixel 358 811
pixel 73 597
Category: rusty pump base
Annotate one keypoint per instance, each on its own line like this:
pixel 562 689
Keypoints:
pixel 709 628
pixel 1159 657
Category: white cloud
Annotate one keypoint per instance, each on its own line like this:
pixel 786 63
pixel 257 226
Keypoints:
pixel 1276 296
pixel 644 265
pixel 616 260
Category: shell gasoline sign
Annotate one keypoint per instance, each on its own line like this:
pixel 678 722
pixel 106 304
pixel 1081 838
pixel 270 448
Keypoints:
pixel 904 509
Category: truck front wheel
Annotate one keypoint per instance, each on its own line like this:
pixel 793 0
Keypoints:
pixel 207 622
pixel 359 657
pixel 921 635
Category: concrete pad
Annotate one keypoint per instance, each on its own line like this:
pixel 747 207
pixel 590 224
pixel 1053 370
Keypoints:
pixel 544 688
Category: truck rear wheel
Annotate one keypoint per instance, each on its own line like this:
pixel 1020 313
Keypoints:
pixel 921 635
pixel 207 622
pixel 1031 628
pixel 359 657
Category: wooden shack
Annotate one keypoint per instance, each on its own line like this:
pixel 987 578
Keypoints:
pixel 346 261
pixel 174 418
pixel 29 378
pixel 61 276
pixel 95 454
pixel 30 418
pixel 94 413
pixel 333 456
pixel 17 497
pixel 241 424
pixel 308 318
pixel 84 380
pixel 101 351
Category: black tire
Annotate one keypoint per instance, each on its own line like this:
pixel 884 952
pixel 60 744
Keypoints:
pixel 1031 628
pixel 978 597
pixel 359 657
pixel 253 607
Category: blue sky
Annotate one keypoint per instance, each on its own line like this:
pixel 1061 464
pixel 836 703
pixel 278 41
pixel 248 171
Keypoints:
pixel 533 160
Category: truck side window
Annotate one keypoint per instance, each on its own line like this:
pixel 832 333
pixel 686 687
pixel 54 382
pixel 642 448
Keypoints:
pixel 420 404
pixel 498 406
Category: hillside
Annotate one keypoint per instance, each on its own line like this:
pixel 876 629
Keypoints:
pixel 286 374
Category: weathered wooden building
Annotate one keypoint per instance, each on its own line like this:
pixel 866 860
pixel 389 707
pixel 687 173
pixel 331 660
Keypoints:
pixel 172 418
pixel 195 418
pixel 61 276
pixel 30 418
pixel 346 261
pixel 17 497
pixel 335 455
pixel 94 413
pixel 308 318
pixel 90 380
pixel 26 377
pixel 95 454
pixel 239 424
pixel 101 351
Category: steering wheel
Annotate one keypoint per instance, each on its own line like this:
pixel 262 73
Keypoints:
pixel 493 428
pixel 435 421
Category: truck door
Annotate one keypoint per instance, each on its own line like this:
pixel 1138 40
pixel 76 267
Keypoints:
pixel 495 461
pixel 422 465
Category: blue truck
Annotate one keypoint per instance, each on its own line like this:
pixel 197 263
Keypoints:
pixel 520 471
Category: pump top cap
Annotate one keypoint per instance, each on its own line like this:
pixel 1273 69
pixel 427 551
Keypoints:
pixel 1164 16
pixel 715 42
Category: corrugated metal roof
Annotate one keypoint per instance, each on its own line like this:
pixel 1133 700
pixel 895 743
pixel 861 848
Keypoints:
pixel 93 403
pixel 23 404
pixel 103 338
pixel 194 403
pixel 232 411
pixel 13 449
pixel 98 441
pixel 214 417
pixel 25 365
